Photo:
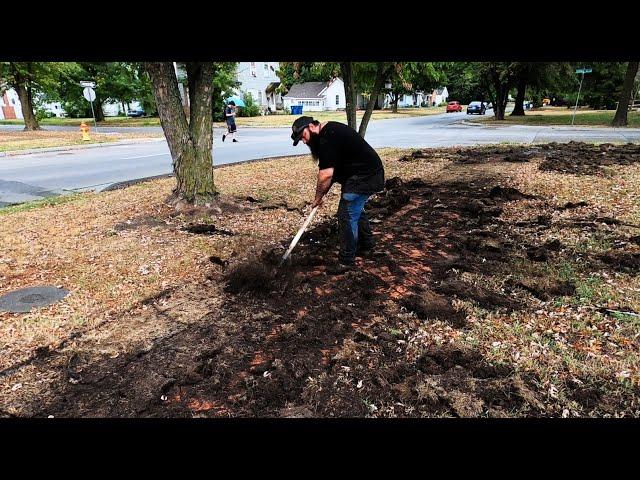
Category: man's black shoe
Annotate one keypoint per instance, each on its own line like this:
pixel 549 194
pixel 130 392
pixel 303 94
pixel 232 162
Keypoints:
pixel 223 137
pixel 339 268
pixel 235 140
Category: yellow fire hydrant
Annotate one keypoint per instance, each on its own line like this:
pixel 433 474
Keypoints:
pixel 85 131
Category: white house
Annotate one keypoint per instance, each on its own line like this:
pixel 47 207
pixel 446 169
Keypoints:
pixel 420 99
pixel 259 79
pixel 317 96
pixel 438 96
pixel 111 109
pixel 416 99
pixel 10 106
pixel 54 108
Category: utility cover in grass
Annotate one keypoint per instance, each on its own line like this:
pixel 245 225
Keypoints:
pixel 23 300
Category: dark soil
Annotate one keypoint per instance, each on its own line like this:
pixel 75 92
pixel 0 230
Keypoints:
pixel 296 342
pixel 574 157
pixel 206 229
pixel 586 159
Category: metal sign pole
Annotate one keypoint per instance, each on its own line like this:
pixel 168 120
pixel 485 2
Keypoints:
pixel 94 116
pixel 88 93
pixel 577 99
pixel 583 71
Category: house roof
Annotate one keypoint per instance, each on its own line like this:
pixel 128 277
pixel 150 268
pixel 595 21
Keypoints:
pixel 440 90
pixel 306 90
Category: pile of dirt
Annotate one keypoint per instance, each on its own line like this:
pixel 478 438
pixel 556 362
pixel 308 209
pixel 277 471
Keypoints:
pixel 586 159
pixel 429 305
pixel 545 288
pixel 206 229
pixel 574 157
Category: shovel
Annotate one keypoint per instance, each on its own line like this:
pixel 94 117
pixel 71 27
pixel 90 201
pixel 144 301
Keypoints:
pixel 298 235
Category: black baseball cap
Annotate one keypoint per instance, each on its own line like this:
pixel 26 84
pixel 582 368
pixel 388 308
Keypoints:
pixel 298 126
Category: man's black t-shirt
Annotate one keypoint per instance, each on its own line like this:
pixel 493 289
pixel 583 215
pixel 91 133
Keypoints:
pixel 357 166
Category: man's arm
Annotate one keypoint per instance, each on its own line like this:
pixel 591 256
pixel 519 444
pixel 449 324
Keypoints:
pixel 323 185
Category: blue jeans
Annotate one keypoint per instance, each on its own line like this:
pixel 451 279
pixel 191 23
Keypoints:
pixel 353 226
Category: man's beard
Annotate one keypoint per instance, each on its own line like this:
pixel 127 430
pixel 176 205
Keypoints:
pixel 314 144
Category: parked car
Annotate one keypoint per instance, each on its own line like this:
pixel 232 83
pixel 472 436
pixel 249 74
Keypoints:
pixel 476 107
pixel 454 107
pixel 136 113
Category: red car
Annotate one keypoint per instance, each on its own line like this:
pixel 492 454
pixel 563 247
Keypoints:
pixel 454 107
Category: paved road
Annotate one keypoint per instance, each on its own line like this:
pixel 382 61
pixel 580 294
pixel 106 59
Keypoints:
pixel 28 177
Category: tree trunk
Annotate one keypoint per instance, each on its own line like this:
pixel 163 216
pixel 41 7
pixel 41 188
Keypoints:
pixel 26 102
pixel 620 119
pixel 377 104
pixel 395 97
pixel 518 110
pixel 97 110
pixel 346 69
pixel 377 86
pixel 190 142
pixel 501 100
pixel 502 95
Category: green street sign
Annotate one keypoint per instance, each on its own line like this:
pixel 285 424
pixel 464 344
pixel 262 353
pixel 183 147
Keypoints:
pixel 584 70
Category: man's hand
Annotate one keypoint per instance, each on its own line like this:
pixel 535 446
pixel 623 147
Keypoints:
pixel 322 187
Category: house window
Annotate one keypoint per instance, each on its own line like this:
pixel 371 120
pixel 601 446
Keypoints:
pixel 266 69
pixel 13 100
pixel 337 99
pixel 253 69
pixel 259 97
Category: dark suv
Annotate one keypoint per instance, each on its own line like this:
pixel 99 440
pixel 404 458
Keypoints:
pixel 136 113
pixel 476 107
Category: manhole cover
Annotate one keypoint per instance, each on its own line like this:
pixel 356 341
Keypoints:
pixel 23 300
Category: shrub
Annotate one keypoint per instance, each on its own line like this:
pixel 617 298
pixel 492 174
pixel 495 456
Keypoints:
pixel 251 109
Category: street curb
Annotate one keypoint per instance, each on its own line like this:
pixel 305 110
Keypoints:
pixel 129 183
pixel 30 151
pixel 492 123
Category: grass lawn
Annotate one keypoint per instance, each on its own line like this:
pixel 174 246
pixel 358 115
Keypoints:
pixel 287 120
pixel 562 116
pixel 259 121
pixel 12 140
pixel 109 121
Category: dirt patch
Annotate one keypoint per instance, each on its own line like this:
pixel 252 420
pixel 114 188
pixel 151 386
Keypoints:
pixel 429 305
pixel 255 276
pixel 585 159
pixel 545 288
pixel 441 321
pixel 206 229
pixel 542 253
pixel 483 296
pixel 508 193
pixel 622 261
pixel 572 205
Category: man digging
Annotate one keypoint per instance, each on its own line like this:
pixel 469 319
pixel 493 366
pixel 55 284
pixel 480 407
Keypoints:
pixel 343 157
